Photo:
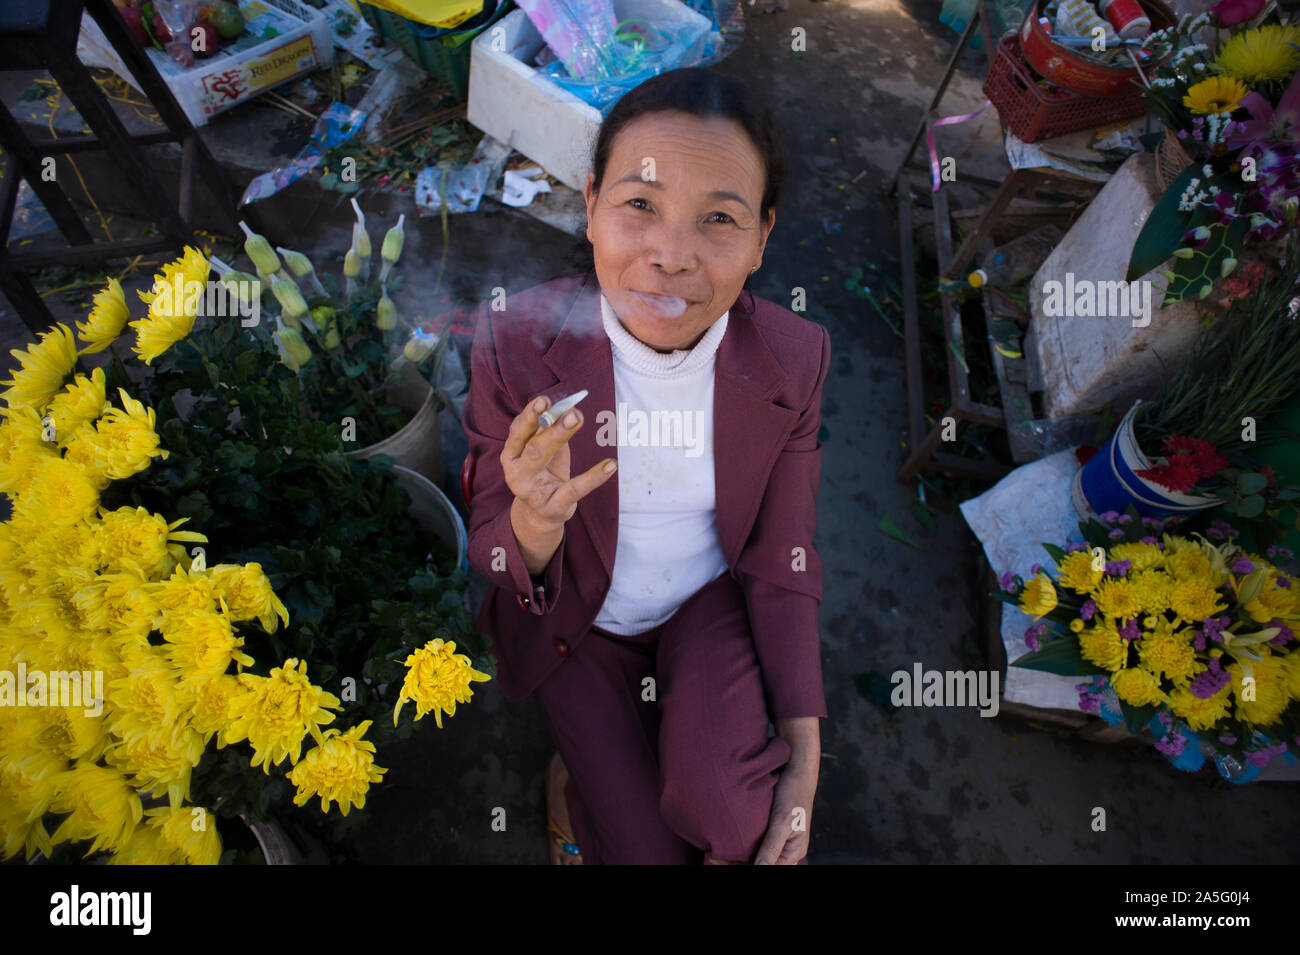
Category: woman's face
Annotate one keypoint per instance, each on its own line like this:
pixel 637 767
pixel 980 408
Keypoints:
pixel 678 217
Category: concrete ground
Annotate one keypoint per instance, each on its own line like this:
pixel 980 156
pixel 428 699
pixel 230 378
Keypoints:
pixel 919 786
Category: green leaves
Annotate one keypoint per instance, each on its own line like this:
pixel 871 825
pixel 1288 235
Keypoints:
pixel 1059 656
pixel 1164 228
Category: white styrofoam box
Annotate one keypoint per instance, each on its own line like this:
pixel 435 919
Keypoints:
pixel 1083 362
pixel 548 124
pixel 211 86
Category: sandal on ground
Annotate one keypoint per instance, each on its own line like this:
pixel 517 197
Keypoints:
pixel 561 838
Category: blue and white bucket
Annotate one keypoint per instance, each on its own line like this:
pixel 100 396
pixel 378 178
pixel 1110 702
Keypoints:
pixel 1109 481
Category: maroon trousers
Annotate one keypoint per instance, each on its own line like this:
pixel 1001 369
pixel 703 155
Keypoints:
pixel 664 735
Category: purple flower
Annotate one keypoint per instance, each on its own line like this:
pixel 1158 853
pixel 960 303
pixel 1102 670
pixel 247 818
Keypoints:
pixel 1152 540
pixel 1242 566
pixel 1118 568
pixel 1125 519
pixel 1283 582
pixel 1225 207
pixel 1009 582
pixel 1285 634
pixel 1130 630
pixel 1214 627
pixel 1209 682
pixel 1151 522
pixel 1199 642
pixel 1035 569
pixel 1109 517
pixel 1277 550
pixel 1032 635
pixel 1182 134
pixel 1266 122
pixel 1090 702
pixel 1172 745
pixel 1088 609
pixel 1116 534
pixel 1222 529
pixel 1228 740
pixel 1076 545
pixel 1164 717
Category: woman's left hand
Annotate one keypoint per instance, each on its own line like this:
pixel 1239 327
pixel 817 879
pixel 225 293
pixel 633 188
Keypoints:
pixel 787 838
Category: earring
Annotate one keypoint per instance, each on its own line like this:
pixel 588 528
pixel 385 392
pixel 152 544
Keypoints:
pixel 754 269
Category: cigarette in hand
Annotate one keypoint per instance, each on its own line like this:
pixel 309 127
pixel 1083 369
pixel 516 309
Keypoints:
pixel 557 410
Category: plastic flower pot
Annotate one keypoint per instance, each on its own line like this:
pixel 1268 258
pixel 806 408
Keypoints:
pixel 418 444
pixel 434 515
pixel 1109 481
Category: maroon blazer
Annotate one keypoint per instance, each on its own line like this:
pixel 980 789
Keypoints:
pixel 768 378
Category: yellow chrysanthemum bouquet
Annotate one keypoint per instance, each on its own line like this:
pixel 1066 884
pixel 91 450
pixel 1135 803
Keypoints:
pixel 1234 110
pixel 1195 639
pixel 196 609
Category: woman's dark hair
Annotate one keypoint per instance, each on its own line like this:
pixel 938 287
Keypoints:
pixel 703 93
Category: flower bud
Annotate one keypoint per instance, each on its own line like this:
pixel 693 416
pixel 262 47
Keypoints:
pixel 298 263
pixel 260 251
pixel 1166 275
pixel 419 346
pixel 351 264
pixel 290 299
pixel 246 287
pixel 1184 253
pixel 1226 268
pixel 386 314
pixel 393 240
pixel 294 351
pixel 1205 291
pixel 1202 233
pixel 326 322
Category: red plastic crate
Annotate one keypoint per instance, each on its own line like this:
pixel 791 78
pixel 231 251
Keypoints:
pixel 1033 113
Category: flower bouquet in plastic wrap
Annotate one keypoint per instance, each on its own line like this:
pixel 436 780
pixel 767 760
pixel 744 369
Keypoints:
pixel 1192 638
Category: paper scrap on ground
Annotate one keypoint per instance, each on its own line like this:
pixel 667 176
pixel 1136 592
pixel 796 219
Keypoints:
pixel 337 124
pixel 1012 520
pixel 521 186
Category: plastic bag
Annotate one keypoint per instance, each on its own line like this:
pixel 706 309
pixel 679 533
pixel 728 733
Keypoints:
pixel 179 16
pixel 602 67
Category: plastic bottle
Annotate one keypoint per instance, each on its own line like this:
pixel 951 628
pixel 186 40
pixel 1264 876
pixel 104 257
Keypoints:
pixel 1011 264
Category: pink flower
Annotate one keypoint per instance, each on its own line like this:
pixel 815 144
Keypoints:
pixel 1282 123
pixel 1232 12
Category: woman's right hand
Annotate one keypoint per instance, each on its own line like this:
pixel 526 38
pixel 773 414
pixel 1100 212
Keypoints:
pixel 536 468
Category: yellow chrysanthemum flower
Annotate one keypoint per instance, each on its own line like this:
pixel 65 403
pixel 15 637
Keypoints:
pixel 1140 556
pixel 276 713
pixel 103 808
pixel 185 592
pixel 1264 53
pixel 1101 644
pixel 1194 600
pixel 437 678
pixel 1200 714
pixel 22 443
pixel 1152 589
pixel 60 493
pixel 1291 671
pixel 1274 602
pixel 211 710
pixel 1036 599
pixel 158 762
pixel 189 832
pixel 1136 686
pixel 69 733
pixel 134 534
pixel 1077 572
pixel 1116 598
pixel 340 769
pixel 107 318
pixel 147 847
pixel 122 443
pixel 44 366
pixel 82 402
pixel 1169 653
pixel 248 594
pixel 1218 94
pixel 203 645
pixel 31 783
pixel 173 306
pixel 148 697
pixel 121 604
pixel 1190 563
pixel 1270 693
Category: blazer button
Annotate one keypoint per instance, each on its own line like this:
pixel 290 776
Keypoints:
pixel 561 647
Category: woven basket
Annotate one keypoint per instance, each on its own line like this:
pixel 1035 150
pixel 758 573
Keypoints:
pixel 1171 159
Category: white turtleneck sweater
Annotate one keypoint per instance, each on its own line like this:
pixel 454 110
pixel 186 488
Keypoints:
pixel 668 546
